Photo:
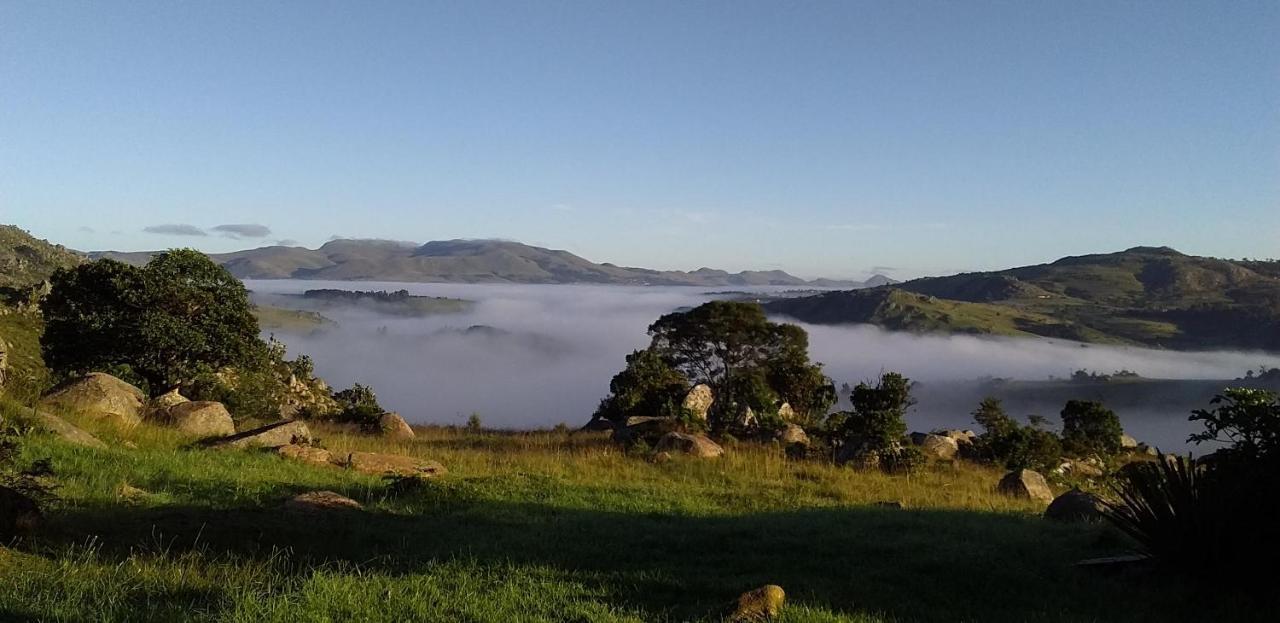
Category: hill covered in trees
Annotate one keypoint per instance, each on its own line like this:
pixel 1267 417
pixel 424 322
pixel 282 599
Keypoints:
pixel 468 261
pixel 1153 296
pixel 26 260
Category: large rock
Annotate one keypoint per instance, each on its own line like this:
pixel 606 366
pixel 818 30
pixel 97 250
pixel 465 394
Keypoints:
pixel 202 419
pixel 392 465
pixel 305 454
pixel 1024 483
pixel 391 425
pixel 19 514
pixel 1128 443
pixel 269 436
pixel 786 413
pixel 699 400
pixel 793 434
pixel 321 501
pixel 695 445
pixel 858 457
pixel 597 425
pixel 1080 468
pixel 1075 505
pixel 648 429
pixel 762 604
pixel 65 430
pixel 100 396
pixel 939 447
pixel 168 399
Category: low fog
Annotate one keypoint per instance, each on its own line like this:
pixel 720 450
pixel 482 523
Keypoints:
pixel 553 348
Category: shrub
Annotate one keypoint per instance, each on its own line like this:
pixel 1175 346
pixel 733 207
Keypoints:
pixel 1014 446
pixel 474 424
pixel 876 423
pixel 903 460
pixel 1090 428
pixel 358 405
pixel 1246 419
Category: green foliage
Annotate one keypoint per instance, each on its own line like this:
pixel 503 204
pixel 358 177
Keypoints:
pixel 473 423
pixel 877 421
pixel 1090 428
pixel 1247 419
pixel 358 405
pixel 1162 506
pixel 167 322
pixel 648 386
pixel 1014 446
pixel 32 479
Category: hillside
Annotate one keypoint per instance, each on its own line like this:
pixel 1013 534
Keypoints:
pixel 1153 296
pixel 466 261
pixel 26 260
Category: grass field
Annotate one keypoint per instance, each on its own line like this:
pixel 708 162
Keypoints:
pixel 550 526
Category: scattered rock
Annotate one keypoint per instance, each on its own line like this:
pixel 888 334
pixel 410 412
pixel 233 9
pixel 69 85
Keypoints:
pixel 939 447
pixel 99 396
pixel 761 604
pixel 392 465
pixel 650 429
pixel 1143 448
pixel 661 457
pixel 961 436
pixel 1080 469
pixel 201 419
pixel 19 514
pixel 269 436
pixel 130 493
pixel 699 400
pixel 66 430
pixel 321 501
pixel 1024 483
pixel 787 413
pixel 1127 442
pixel 696 445
pixel 747 419
pixel 305 454
pixel 394 426
pixel 168 399
pixel 793 434
pixel 1075 505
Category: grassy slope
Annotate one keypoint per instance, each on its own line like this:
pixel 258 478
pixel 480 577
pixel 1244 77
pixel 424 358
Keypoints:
pixel 27 260
pixel 551 527
pixel 290 320
pixel 28 374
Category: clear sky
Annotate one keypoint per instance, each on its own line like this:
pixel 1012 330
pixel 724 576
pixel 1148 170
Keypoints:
pixel 824 138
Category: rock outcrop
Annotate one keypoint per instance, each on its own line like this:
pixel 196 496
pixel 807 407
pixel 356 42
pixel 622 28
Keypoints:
pixel 391 425
pixel 100 396
pixel 644 428
pixel 698 401
pixel 201 419
pixel 786 412
pixel 391 465
pixel 939 447
pixel 1025 483
pixel 694 445
pixel 168 399
pixel 762 604
pixel 1075 505
pixel 305 454
pixel 66 431
pixel 321 501
pixel 270 436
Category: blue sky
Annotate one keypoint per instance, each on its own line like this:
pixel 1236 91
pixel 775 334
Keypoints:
pixel 824 138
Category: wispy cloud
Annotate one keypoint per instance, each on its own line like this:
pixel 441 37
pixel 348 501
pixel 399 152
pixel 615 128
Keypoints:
pixel 175 230
pixel 243 230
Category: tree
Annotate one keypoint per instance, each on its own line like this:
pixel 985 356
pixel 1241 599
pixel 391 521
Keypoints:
pixel 1006 442
pixel 877 421
pixel 648 386
pixel 1090 428
pixel 160 325
pixel 1247 419
pixel 731 346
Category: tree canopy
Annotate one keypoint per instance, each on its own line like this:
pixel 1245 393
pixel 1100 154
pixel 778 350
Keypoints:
pixel 158 325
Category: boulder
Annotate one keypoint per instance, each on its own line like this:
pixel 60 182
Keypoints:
pixel 698 401
pixel 857 457
pixel 793 434
pixel 747 419
pixel 597 424
pixel 961 436
pixel 19 514
pixel 696 445
pixel 1128 443
pixel 649 429
pixel 321 501
pixel 201 419
pixel 100 396
pixel 392 465
pixel 1075 505
pixel 393 426
pixel 761 604
pixel 269 436
pixel 1080 469
pixel 168 399
pixel 66 431
pixel 305 454
pixel 787 413
pixel 939 447
pixel 1143 448
pixel 1024 483
pixel 130 493
pixel 659 458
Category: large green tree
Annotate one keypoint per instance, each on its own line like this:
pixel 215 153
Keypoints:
pixel 162 324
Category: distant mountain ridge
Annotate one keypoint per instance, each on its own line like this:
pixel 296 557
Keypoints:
pixel 468 261
pixel 1152 296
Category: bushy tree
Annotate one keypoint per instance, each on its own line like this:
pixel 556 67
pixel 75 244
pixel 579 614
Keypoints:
pixel 359 405
pixel 161 325
pixel 877 421
pixel 1088 427
pixel 648 386
pixel 1246 419
pixel 1008 443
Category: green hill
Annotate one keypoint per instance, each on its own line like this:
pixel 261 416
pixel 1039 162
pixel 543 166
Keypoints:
pixel 1153 296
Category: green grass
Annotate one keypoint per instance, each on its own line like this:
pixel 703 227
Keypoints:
pixel 549 527
pixel 291 320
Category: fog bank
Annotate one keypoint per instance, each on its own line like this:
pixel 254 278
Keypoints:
pixel 553 348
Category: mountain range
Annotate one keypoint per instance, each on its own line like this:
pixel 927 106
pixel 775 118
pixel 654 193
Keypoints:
pixel 1151 296
pixel 471 261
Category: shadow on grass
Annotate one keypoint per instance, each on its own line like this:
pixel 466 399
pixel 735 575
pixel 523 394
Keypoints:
pixel 903 565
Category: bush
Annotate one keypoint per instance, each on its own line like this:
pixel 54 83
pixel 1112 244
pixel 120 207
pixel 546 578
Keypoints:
pixel 877 421
pixel 359 405
pixel 1090 428
pixel 1247 419
pixel 903 460
pixel 1012 445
